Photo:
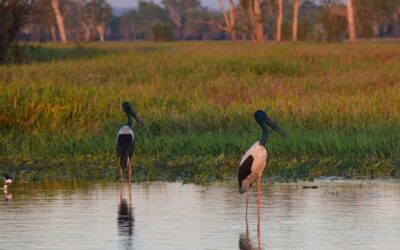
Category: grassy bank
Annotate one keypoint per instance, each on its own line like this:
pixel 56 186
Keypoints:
pixel 340 104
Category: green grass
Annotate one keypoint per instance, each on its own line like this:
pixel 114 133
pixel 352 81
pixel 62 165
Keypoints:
pixel 339 103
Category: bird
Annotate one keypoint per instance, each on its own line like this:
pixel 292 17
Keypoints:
pixel 7 181
pixel 254 161
pixel 126 140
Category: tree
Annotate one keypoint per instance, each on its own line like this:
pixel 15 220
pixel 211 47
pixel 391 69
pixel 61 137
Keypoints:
pixel 350 21
pixel 135 24
pixel 189 18
pixel 161 32
pixel 295 19
pixel 229 18
pixel 334 21
pixel 128 23
pixel 98 13
pixel 177 12
pixel 253 9
pixel 59 21
pixel 259 29
pixel 14 14
pixel 279 21
pixel 396 20
pixel 376 17
pixel 76 20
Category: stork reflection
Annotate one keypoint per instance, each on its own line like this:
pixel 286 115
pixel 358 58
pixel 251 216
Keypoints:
pixel 125 218
pixel 7 195
pixel 245 240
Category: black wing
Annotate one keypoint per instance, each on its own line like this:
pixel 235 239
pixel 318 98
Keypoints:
pixel 124 148
pixel 245 169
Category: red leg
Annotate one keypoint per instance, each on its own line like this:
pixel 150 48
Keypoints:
pixel 130 171
pixel 247 203
pixel 121 173
pixel 258 198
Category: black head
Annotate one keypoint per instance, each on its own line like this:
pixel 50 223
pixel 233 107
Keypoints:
pixel 7 176
pixel 126 106
pixel 129 111
pixel 262 117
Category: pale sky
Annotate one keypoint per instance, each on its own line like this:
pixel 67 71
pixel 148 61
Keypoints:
pixel 213 4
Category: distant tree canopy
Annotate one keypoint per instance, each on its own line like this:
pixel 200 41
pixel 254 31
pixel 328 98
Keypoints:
pixel 161 32
pixel 259 20
pixel 136 24
pixel 14 14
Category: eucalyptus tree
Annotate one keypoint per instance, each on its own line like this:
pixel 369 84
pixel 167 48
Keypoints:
pixel 98 13
pixel 279 19
pixel 379 17
pixel 59 20
pixel 136 24
pixel 230 18
pixel 253 10
pixel 295 19
pixel 14 14
pixel 188 17
pixel 350 21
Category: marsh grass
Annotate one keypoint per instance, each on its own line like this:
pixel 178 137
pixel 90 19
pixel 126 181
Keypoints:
pixel 339 103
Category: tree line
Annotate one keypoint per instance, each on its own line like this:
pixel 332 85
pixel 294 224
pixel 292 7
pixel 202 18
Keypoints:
pixel 257 20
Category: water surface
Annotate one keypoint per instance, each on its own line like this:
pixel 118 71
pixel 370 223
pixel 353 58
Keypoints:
pixel 337 215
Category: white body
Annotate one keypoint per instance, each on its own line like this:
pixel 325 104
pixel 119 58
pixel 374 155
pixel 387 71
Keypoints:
pixel 259 154
pixel 7 183
pixel 126 130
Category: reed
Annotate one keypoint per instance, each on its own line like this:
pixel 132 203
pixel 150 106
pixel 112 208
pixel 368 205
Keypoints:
pixel 338 102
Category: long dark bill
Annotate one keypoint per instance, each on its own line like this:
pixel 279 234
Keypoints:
pixel 134 115
pixel 273 125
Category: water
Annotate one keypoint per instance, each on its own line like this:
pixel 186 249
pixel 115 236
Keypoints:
pixel 337 215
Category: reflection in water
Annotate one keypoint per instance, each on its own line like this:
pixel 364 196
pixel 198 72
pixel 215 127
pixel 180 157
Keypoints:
pixel 7 195
pixel 125 218
pixel 338 215
pixel 245 241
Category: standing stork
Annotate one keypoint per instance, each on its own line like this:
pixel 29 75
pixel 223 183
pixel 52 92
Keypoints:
pixel 126 141
pixel 7 181
pixel 254 160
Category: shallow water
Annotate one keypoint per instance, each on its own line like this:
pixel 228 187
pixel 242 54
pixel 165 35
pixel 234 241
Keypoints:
pixel 337 215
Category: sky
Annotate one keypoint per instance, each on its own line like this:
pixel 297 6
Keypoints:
pixel 213 4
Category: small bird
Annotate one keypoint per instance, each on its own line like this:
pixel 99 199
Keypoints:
pixel 7 181
pixel 126 141
pixel 254 160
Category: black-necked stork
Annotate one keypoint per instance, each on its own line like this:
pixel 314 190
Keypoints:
pixel 7 181
pixel 126 141
pixel 254 160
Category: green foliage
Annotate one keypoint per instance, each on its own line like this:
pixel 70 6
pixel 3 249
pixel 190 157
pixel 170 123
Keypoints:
pixel 98 11
pixel 334 27
pixel 338 102
pixel 161 32
pixel 135 24
pixel 13 16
